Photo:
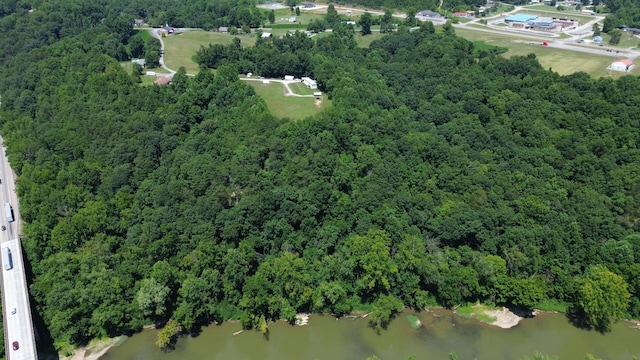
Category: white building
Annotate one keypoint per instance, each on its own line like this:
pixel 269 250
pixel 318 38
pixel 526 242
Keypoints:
pixel 311 84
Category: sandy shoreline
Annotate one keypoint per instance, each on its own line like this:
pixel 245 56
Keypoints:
pixel 94 351
pixel 505 318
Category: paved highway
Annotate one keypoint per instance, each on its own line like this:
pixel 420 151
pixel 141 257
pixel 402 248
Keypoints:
pixel 18 325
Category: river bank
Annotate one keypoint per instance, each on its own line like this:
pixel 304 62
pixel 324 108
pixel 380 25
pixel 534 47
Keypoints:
pixel 440 332
pixel 503 318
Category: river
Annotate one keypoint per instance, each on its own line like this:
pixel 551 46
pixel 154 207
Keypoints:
pixel 441 333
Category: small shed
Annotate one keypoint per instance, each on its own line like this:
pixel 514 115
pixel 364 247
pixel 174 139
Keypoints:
pixel 288 77
pixel 317 94
pixel 223 29
pixel 138 22
pixel 266 35
pixel 163 80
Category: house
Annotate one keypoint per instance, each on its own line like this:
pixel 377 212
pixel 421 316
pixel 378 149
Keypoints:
pixel 428 14
pixel 140 62
pixel 460 14
pixel 223 29
pixel 308 6
pixel 163 80
pixel 311 84
pixel 317 94
pixel 138 22
pixel 288 77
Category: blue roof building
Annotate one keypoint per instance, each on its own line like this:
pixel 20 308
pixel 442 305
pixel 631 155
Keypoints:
pixel 521 18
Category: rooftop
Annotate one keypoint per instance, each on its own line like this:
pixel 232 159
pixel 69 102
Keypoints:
pixel 521 17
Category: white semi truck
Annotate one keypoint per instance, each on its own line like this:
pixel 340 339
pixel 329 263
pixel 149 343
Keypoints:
pixel 7 261
pixel 9 211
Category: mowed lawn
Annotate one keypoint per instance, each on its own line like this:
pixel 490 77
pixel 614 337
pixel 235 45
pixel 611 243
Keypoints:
pixel 180 48
pixel 563 62
pixel 287 106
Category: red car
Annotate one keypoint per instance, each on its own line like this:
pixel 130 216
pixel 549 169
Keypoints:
pixel 16 346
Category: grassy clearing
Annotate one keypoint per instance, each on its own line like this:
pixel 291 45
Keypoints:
pixel 180 48
pixel 626 40
pixel 287 106
pixel 301 89
pixel 413 321
pixel 477 310
pixel 553 305
pixel 563 62
pixel 366 40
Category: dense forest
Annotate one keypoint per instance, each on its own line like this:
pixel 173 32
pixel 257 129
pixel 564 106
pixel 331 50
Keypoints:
pixel 442 174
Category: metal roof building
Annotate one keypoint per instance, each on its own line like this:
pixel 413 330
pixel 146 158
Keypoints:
pixel 520 18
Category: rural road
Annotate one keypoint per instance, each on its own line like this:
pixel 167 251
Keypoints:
pixel 156 33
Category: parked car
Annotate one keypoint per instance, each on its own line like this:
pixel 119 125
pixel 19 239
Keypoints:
pixel 16 346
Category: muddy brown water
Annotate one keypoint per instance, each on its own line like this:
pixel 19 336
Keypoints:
pixel 441 333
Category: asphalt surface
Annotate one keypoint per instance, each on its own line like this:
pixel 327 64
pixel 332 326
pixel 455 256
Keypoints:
pixel 18 324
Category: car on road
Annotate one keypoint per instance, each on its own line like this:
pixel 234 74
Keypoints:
pixel 4 228
pixel 14 311
pixel 16 346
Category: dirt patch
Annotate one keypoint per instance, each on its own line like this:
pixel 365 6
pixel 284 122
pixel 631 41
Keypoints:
pixel 318 103
pixel 94 350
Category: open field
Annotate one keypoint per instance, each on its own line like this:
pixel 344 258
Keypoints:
pixel 561 61
pixel 287 106
pixel 180 48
